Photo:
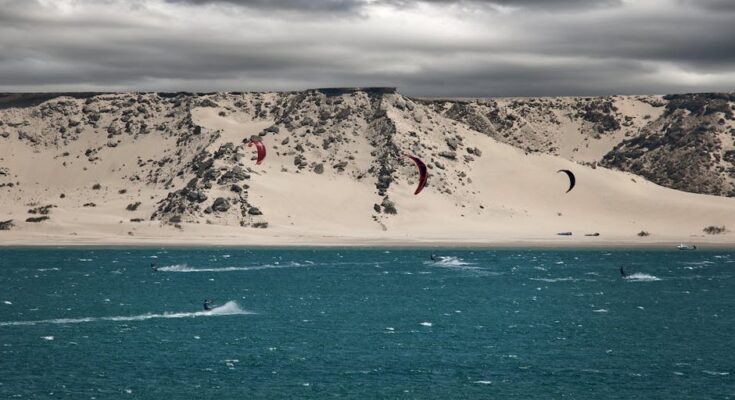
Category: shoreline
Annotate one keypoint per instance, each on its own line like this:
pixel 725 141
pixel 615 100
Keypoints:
pixel 377 244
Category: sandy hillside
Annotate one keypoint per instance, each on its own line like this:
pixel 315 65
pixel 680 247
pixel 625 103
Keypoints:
pixel 156 168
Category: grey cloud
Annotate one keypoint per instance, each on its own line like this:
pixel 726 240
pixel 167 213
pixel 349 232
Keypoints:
pixel 330 6
pixel 540 4
pixel 354 6
pixel 445 51
pixel 714 5
pixel 703 41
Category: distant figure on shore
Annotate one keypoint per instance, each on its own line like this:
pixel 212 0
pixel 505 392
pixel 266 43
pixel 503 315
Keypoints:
pixel 622 273
pixel 433 257
pixel 207 305
pixel 154 268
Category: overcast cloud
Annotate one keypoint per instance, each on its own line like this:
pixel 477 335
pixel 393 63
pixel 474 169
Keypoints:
pixel 424 47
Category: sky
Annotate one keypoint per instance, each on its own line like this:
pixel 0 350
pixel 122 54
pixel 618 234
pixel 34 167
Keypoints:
pixel 426 48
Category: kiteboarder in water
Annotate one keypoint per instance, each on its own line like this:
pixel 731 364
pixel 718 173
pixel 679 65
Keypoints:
pixel 433 257
pixel 622 273
pixel 207 305
pixel 154 268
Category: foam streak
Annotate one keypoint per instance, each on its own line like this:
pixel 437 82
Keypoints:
pixel 229 308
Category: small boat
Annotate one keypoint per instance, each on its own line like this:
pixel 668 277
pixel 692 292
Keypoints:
pixel 592 234
pixel 683 246
pixel 564 233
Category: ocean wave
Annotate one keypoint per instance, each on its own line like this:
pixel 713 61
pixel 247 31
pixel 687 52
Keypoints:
pixel 229 308
pixel 716 373
pixel 186 268
pixel 641 277
pixel 700 263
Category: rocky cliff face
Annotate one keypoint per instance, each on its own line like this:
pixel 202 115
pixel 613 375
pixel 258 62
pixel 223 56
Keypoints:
pixel 690 147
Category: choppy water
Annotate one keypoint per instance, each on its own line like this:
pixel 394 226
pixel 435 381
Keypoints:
pixel 93 323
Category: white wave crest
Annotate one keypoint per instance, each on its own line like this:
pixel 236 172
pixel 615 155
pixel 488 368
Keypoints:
pixel 229 308
pixel 186 268
pixel 566 279
pixel 716 373
pixel 641 277
pixel 700 263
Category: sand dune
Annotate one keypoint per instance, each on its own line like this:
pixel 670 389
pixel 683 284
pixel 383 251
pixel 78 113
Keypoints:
pixel 505 196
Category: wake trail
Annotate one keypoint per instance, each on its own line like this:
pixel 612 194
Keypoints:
pixel 459 264
pixel 641 277
pixel 186 268
pixel 449 262
pixel 229 308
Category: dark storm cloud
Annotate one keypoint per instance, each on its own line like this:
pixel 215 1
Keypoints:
pixel 715 5
pixel 426 48
pixel 347 6
pixel 700 40
pixel 287 5
pixel 543 4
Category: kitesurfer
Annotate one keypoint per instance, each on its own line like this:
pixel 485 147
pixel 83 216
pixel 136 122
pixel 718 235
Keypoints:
pixel 433 257
pixel 154 268
pixel 622 273
pixel 207 305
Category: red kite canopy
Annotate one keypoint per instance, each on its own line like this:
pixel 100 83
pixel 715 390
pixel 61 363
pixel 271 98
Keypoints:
pixel 423 173
pixel 261 150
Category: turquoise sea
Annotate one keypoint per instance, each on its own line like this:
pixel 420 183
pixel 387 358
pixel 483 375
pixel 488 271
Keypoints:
pixel 94 323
